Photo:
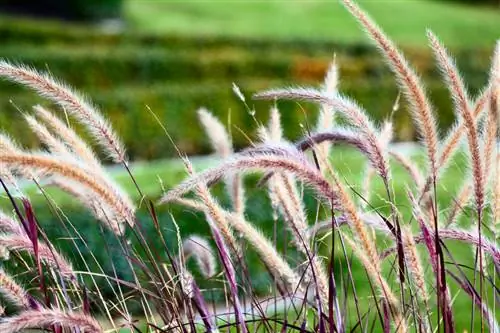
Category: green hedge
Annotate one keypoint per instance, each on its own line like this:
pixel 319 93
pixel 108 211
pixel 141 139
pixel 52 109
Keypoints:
pixel 88 66
pixel 175 76
pixel 175 105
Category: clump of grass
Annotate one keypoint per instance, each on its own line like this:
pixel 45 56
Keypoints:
pixel 316 287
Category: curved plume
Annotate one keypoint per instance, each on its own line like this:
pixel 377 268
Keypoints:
pixel 221 143
pixel 407 78
pixel 452 140
pixel 410 167
pixel 219 138
pixel 334 136
pixel 12 291
pixel 10 225
pixel 255 160
pixel 75 104
pixel 198 247
pixel 53 165
pixel 353 112
pixel 462 107
pixel 43 319
pixel 53 144
pixel 68 135
pixel 49 256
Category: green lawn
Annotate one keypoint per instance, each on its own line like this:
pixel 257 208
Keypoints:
pixel 405 20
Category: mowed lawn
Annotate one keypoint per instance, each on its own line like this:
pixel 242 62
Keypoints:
pixel 459 25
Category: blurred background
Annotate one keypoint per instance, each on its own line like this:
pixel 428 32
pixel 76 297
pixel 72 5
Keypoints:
pixel 175 56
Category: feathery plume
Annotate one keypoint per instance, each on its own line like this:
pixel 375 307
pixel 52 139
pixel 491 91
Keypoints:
pixel 267 251
pixel 240 163
pixel 7 144
pixel 213 211
pixel 452 140
pixel 374 272
pixel 54 166
pixel 216 132
pixel 13 291
pixel 199 248
pixel 100 210
pixel 491 134
pixel 385 290
pixel 414 264
pixel 54 145
pixel 331 80
pixel 351 111
pixel 369 219
pixel 285 197
pixel 43 319
pixel 190 203
pixel 327 113
pixel 336 136
pixel 412 86
pixel 492 128
pixel 274 126
pixel 50 256
pixel 221 143
pixel 494 114
pixel 462 105
pixel 470 237
pixel 10 225
pixel 496 195
pixel 351 213
pixel 386 133
pixel 83 153
pixel 75 104
pixel 68 135
pixel 283 188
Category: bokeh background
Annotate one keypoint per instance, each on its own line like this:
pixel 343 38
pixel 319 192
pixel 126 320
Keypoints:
pixel 172 57
pixel 176 56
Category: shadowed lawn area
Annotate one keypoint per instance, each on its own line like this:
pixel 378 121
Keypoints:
pixel 405 21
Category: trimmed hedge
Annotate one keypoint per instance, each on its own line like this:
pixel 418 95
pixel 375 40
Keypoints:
pixel 106 67
pixel 175 76
pixel 175 105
